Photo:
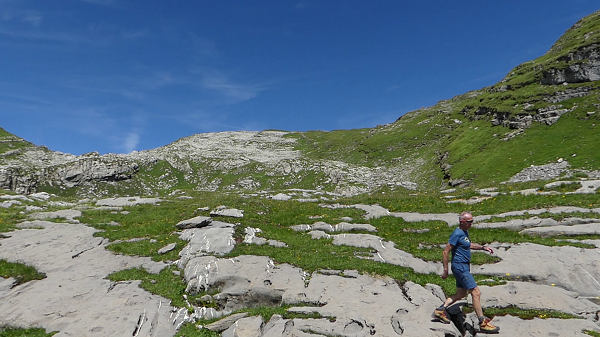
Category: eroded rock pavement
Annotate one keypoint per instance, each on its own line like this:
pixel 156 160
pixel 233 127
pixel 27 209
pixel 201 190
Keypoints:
pixel 76 299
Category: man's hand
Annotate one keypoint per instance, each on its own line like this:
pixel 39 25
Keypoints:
pixel 488 249
pixel 445 274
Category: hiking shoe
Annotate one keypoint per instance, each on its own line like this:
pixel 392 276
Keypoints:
pixel 440 315
pixel 487 327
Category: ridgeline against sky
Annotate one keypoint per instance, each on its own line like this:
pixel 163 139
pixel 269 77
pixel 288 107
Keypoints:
pixel 118 76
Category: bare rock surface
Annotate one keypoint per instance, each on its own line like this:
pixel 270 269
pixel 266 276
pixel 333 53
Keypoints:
pixel 537 327
pixel 68 214
pixel 385 251
pixel 518 224
pixel 526 296
pixel 251 237
pixel 10 203
pixel 340 227
pixel 588 186
pixel 215 238
pixel 372 211
pixel 75 298
pixel 574 269
pixel 377 306
pixel 196 222
pixel 228 212
pixel 585 229
pixel 126 201
pixel 541 172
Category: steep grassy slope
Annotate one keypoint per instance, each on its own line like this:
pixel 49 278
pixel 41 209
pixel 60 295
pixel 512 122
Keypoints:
pixel 10 142
pixel 486 136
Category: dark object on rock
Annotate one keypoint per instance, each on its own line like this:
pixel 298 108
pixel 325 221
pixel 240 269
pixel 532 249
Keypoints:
pixel 197 222
pixel 457 317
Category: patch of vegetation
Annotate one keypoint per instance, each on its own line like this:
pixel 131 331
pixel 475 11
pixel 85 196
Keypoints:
pixel 6 331
pixel 190 330
pixel 150 247
pixel 563 187
pixel 10 142
pixel 274 218
pixel 591 333
pixel 528 313
pixel 20 272
pixel 166 283
pixel 267 312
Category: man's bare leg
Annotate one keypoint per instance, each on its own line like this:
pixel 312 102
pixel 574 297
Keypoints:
pixel 460 293
pixel 476 296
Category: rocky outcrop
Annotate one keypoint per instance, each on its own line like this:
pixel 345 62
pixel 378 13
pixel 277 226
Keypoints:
pixel 568 93
pixel 16 180
pixel 541 172
pixel 96 169
pixel 38 165
pixel 255 160
pixel 547 115
pixel 582 65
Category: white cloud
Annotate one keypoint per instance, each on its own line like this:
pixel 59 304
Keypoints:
pixel 131 142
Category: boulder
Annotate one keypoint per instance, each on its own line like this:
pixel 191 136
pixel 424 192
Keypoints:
pixel 228 212
pixel 167 248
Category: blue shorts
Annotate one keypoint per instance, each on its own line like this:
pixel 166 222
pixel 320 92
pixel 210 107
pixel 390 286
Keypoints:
pixel 462 274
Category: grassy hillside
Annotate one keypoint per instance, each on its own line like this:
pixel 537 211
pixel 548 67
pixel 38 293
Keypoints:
pixel 10 142
pixel 460 134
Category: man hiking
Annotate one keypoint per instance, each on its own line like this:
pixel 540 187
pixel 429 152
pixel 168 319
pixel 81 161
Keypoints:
pixel 460 245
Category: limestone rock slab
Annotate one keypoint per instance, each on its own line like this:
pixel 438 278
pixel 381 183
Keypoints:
pixel 526 295
pixel 574 269
pixel 126 201
pixel 75 298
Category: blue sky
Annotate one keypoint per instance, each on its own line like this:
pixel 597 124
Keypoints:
pixel 123 75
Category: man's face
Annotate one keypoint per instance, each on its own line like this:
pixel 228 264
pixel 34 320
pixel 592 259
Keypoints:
pixel 467 221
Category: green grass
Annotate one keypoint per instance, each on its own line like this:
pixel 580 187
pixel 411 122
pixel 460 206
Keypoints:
pixel 190 330
pixel 267 312
pixel 165 283
pixel 20 272
pixel 19 332
pixel 528 313
pixel 275 218
pixel 592 333
pixel 564 187
pixel 10 142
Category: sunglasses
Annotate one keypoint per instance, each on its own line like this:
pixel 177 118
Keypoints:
pixel 468 221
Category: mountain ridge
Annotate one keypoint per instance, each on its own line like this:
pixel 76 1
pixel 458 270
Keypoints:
pixel 542 111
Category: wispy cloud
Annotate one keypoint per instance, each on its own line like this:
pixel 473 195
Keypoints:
pixel 392 88
pixel 33 19
pixel 218 81
pixel 123 133
pixel 39 35
pixel 135 34
pixel 204 47
pixel 131 141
